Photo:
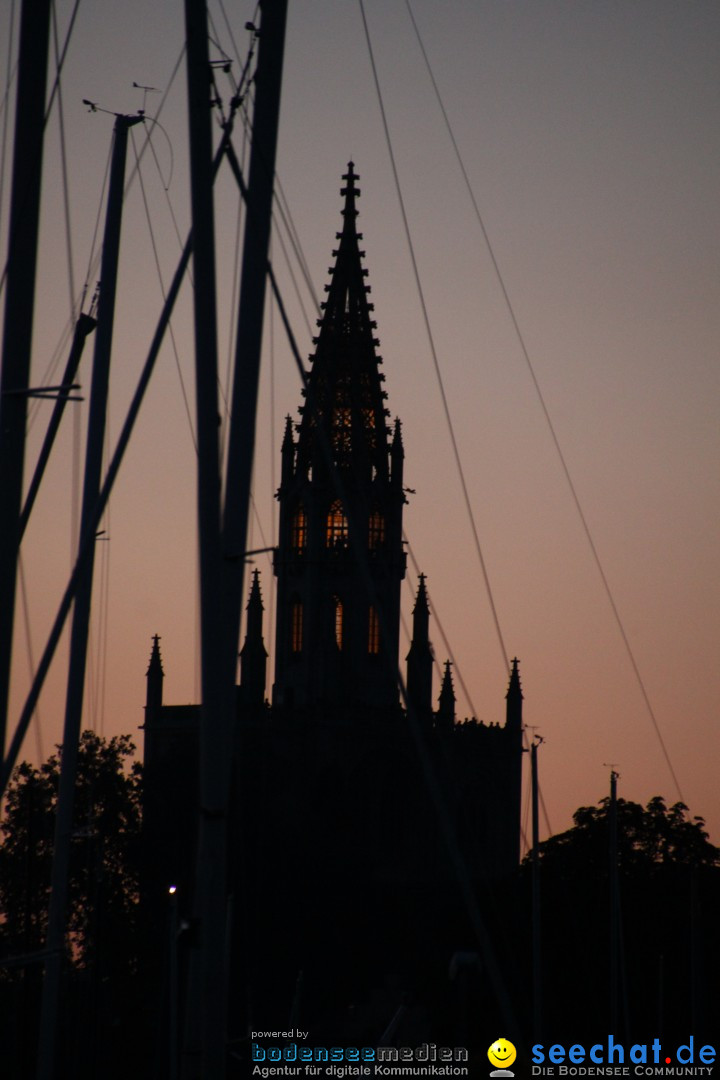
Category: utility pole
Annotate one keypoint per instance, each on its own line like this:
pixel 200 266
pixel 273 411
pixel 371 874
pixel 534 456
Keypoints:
pixel 81 613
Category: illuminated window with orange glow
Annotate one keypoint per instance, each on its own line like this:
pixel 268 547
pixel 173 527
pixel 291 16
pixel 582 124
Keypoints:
pixel 376 530
pixel 373 632
pixel 368 416
pixel 298 535
pixel 342 428
pixel 296 626
pixel 336 535
pixel 338 622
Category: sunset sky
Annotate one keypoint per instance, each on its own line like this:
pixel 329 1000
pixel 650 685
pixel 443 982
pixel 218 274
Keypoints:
pixel 589 133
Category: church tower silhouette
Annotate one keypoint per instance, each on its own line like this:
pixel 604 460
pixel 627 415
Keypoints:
pixel 354 812
pixel 340 559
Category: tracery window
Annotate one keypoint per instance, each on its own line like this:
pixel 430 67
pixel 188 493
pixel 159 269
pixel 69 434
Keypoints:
pixel 368 415
pixel 342 429
pixel 336 535
pixel 376 530
pixel 298 532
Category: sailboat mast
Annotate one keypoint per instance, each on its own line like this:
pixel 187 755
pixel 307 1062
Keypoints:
pixel 19 311
pixel 268 81
pixel 222 554
pixel 205 1018
pixel 81 612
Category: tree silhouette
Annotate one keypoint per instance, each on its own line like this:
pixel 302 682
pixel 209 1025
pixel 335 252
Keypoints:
pixel 104 858
pixel 665 899
pixel 647 838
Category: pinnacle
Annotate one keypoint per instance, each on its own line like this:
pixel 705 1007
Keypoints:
pixel 155 664
pixel 514 686
pixel 421 599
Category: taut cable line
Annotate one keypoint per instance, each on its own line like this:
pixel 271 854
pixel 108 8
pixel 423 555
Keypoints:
pixel 551 428
pixel 433 350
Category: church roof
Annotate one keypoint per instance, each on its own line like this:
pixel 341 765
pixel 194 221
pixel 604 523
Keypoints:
pixel 344 390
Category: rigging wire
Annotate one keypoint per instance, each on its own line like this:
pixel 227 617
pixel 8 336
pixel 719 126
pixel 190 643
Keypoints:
pixel 543 807
pixel 69 327
pixel 98 657
pixel 156 257
pixel 166 186
pixel 228 28
pixel 50 370
pixel 563 462
pixel 294 282
pixel 95 254
pixel 443 635
pixel 64 169
pixel 234 302
pixel 39 749
pixel 51 99
pixel 165 183
pixel 525 815
pixel 286 216
pixel 154 118
pixel 431 342
pixel 104 626
pixel 281 206
pixel 234 294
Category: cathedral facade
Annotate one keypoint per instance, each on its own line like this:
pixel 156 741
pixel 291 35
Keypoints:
pixel 362 808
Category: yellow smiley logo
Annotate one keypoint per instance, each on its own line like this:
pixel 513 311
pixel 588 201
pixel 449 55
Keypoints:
pixel 502 1053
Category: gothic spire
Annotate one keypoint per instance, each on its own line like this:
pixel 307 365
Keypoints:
pixel 253 656
pixel 446 704
pixel 420 658
pixel 344 391
pixel 155 676
pixel 287 451
pixel 514 698
pixel 341 506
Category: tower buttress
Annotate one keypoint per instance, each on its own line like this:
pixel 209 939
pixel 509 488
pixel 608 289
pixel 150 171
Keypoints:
pixel 420 658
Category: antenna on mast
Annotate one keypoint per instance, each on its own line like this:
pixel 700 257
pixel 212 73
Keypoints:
pixel 146 90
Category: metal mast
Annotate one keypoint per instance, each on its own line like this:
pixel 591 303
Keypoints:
pixel 206 1006
pixel 81 611
pixel 222 552
pixel 19 310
